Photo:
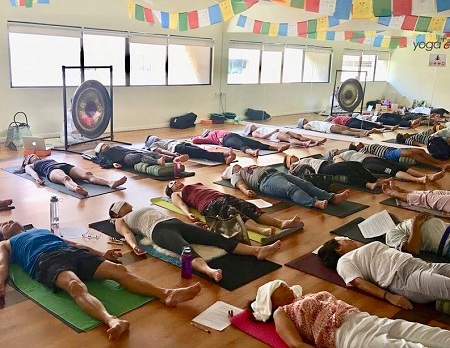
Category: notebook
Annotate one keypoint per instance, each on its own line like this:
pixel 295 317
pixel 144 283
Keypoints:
pixel 35 144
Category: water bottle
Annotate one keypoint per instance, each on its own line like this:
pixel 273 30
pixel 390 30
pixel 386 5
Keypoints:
pixel 176 168
pixel 54 214
pixel 186 263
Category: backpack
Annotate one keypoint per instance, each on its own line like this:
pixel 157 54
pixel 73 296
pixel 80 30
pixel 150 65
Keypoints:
pixel 256 115
pixel 438 148
pixel 184 121
pixel 306 172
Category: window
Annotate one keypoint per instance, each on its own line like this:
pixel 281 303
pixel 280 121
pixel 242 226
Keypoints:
pixel 189 61
pixel 374 63
pixel 33 61
pixel 243 63
pixel 104 50
pixel 272 57
pixel 317 65
pixel 292 64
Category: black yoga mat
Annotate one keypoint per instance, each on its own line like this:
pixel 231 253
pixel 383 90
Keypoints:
pixel 93 190
pixel 238 270
pixel 392 202
pixel 342 209
pixel 351 230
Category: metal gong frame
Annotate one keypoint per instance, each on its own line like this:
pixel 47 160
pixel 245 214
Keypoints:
pixel 339 72
pixel 109 137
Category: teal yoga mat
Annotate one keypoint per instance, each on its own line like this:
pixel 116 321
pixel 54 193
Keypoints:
pixel 93 190
pixel 116 299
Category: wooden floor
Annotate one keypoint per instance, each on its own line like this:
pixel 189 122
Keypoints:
pixel 24 324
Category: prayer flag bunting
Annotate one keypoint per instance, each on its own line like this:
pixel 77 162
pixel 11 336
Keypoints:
pixel 382 8
pixel 403 7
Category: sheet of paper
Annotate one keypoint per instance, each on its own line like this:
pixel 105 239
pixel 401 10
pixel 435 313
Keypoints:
pixel 216 316
pixel 71 232
pixel 260 203
pixel 377 225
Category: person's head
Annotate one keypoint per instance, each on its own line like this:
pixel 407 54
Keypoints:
pixel 9 229
pixel 329 155
pixel 332 250
pixel 230 170
pixel 301 122
pixel 289 159
pixel 101 147
pixel 355 146
pixel 120 209
pixel 173 186
pixel 29 159
pixel 401 137
pixel 272 295
pixel 249 129
pixel 150 140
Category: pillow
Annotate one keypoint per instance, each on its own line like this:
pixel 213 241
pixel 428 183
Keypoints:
pixel 155 170
pixel 408 161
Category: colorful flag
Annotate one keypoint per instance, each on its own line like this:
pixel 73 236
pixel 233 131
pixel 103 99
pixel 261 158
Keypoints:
pixel 215 16
pixel 193 19
pixel 327 7
pixel 343 8
pixel 203 18
pixel 241 21
pixel 183 21
pixel 139 13
pixel 403 7
pixel 165 19
pixel 173 20
pixel 283 29
pixel 273 29
pixel 298 3
pixel 442 5
pixel 423 23
pixel 226 9
pixel 409 23
pixel 312 5
pixel 382 8
pixel 257 27
pixel 148 14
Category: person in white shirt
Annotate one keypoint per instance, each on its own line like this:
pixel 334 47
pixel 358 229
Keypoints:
pixel 328 127
pixel 421 233
pixel 387 273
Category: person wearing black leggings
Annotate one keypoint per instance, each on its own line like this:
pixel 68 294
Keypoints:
pixel 355 172
pixel 173 234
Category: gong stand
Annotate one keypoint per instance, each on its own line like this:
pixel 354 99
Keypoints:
pixel 109 137
pixel 334 89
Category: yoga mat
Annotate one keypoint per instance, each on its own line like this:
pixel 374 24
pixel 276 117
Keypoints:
pixel 342 209
pixel 205 162
pixel 399 204
pixel 352 231
pixel 237 270
pixel 117 300
pixel 262 331
pixel 93 190
pixel 166 203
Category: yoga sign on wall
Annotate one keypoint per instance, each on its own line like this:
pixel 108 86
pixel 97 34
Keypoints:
pixel 437 60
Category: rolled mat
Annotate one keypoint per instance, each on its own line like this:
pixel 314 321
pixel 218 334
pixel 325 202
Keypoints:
pixel 116 299
pixel 167 203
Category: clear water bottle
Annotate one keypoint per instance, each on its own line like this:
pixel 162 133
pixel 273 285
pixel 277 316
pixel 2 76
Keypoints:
pixel 176 168
pixel 186 263
pixel 54 214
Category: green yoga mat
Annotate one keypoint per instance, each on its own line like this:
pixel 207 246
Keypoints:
pixel 116 299
pixel 342 209
pixel 166 203
pixel 93 190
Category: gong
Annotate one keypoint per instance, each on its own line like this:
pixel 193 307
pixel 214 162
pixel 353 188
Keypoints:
pixel 350 95
pixel 91 109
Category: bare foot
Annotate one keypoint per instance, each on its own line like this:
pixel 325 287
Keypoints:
pixel 321 204
pixel 436 176
pixel 215 274
pixel 422 179
pixel 5 202
pixel 116 328
pixel 161 161
pixel 176 296
pixel 340 197
pixel 80 190
pixel 138 251
pixel 115 183
pixel 387 189
pixel 230 157
pixel 371 185
pixel 320 142
pixel 268 231
pixel 267 250
pixel 251 152
pixel 182 158
pixel 283 147
pixel 295 221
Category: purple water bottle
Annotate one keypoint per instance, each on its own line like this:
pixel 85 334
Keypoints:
pixel 176 168
pixel 186 263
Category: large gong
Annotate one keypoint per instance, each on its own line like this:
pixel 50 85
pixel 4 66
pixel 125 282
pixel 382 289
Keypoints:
pixel 350 95
pixel 91 109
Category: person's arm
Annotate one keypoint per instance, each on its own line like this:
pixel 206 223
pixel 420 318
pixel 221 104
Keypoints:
pixel 338 159
pixel 205 140
pixel 111 254
pixel 123 229
pixel 164 152
pixel 287 330
pixel 30 171
pixel 376 291
pixel 257 134
pixel 177 200
pixel 414 243
pixel 307 127
pixel 5 255
pixel 242 186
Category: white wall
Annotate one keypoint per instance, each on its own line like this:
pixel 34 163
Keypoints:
pixel 147 107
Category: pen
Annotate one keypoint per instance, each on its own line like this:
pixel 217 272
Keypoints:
pixel 200 328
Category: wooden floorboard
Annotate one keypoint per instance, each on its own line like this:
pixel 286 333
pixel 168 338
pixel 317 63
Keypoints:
pixel 24 324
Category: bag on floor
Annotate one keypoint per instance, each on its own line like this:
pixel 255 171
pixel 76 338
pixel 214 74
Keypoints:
pixel 16 131
pixel 184 121
pixel 306 172
pixel 232 227
pixel 257 115
pixel 439 148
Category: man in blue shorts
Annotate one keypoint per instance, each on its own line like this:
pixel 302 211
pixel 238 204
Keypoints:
pixel 59 265
pixel 392 153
